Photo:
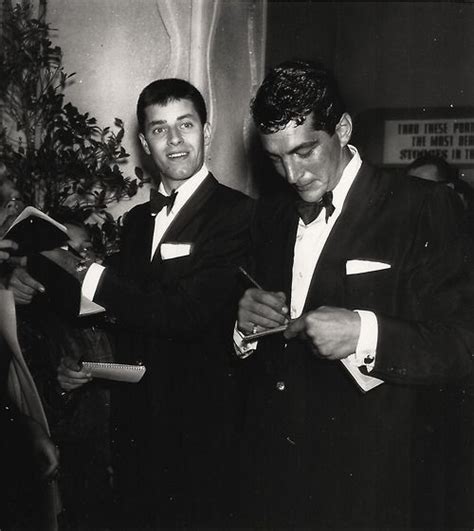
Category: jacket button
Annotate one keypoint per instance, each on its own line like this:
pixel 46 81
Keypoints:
pixel 280 386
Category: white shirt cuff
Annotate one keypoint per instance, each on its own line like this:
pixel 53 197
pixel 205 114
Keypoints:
pixel 243 349
pixel 91 281
pixel 366 350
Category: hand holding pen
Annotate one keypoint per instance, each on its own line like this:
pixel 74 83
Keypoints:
pixel 261 312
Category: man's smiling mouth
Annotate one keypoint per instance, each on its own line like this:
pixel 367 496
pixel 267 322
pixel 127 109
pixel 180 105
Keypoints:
pixel 177 155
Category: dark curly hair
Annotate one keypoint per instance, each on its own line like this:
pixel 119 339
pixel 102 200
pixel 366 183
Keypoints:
pixel 293 90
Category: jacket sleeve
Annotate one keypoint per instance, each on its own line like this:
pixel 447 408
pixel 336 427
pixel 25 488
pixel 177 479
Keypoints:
pixel 190 306
pixel 431 340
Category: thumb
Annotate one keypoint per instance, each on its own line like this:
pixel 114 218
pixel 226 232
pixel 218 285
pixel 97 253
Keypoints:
pixel 295 327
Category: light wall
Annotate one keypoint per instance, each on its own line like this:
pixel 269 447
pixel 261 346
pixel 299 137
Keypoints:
pixel 117 47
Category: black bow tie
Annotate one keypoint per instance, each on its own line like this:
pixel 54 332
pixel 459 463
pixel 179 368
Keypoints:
pixel 310 211
pixel 158 201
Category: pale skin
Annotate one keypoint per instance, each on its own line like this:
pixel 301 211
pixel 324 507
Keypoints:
pixel 311 161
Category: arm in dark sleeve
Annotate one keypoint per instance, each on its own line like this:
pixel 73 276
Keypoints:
pixel 190 306
pixel 432 340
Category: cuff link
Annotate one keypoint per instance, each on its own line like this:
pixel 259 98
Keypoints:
pixel 280 386
pixel 368 360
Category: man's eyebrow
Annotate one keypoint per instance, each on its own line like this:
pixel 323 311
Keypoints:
pixel 184 116
pixel 304 145
pixel 163 122
pixel 156 122
pixel 294 150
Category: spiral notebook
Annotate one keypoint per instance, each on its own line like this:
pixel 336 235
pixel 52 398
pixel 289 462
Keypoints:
pixel 119 372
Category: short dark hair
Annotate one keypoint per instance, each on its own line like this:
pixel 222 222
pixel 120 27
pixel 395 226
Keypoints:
pixel 162 91
pixel 443 169
pixel 293 90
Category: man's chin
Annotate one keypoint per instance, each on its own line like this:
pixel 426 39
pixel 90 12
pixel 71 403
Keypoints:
pixel 310 196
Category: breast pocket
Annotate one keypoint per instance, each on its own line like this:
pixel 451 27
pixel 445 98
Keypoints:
pixel 176 268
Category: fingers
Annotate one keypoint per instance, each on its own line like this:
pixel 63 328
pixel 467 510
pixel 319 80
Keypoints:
pixel 333 333
pixel 263 309
pixel 6 246
pixel 18 261
pixel 296 327
pixel 71 376
pixel 24 286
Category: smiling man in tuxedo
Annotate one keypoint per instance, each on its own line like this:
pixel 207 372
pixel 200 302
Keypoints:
pixel 173 292
pixel 366 269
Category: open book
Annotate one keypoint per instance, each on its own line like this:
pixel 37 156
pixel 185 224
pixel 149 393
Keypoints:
pixel 34 231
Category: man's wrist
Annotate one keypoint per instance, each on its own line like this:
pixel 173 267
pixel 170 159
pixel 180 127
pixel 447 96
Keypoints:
pixel 366 350
pixel 242 349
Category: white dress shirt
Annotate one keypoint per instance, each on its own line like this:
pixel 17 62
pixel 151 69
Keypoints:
pixel 310 241
pixel 162 221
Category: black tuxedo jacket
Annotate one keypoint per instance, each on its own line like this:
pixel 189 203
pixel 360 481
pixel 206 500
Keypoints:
pixel 176 316
pixel 333 455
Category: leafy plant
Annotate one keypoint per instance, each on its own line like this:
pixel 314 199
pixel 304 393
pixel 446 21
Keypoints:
pixel 58 157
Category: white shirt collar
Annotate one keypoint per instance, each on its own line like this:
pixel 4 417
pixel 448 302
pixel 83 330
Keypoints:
pixel 341 190
pixel 347 178
pixel 186 190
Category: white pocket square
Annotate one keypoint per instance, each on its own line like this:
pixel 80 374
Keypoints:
pixel 174 250
pixel 355 267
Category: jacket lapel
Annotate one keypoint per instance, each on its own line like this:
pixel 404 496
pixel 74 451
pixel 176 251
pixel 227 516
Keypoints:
pixel 142 241
pixel 289 250
pixel 187 213
pixel 328 280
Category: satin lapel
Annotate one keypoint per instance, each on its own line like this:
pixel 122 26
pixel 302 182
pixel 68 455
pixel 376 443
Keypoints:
pixel 187 213
pixel 289 251
pixel 276 242
pixel 143 231
pixel 327 283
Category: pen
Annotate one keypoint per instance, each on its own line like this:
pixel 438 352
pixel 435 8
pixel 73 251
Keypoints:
pixel 252 280
pixel 263 333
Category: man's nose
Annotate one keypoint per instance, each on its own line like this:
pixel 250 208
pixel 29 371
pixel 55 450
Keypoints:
pixel 174 136
pixel 292 172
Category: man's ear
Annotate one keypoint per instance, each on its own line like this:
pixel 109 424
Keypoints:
pixel 344 129
pixel 206 131
pixel 144 143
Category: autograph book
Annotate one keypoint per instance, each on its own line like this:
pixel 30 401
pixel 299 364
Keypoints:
pixel 34 231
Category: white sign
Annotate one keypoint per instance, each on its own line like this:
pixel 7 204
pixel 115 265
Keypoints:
pixel 451 139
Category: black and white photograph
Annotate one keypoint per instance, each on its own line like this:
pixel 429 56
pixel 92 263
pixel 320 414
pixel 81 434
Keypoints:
pixel 236 265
